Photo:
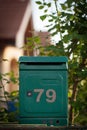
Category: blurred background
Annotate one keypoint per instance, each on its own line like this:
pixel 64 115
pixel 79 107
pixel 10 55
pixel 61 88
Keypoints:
pixel 19 20
pixel 23 31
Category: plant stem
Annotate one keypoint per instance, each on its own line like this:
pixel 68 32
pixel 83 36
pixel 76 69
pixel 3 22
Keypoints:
pixel 55 1
pixel 4 93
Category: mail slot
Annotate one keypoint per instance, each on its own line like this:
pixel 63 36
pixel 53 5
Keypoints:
pixel 43 90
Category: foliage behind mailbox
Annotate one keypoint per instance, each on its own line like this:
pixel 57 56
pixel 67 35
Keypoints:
pixel 43 90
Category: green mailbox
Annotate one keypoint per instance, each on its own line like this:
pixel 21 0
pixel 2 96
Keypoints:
pixel 43 90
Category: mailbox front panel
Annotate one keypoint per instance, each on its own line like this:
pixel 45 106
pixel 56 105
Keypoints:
pixel 43 93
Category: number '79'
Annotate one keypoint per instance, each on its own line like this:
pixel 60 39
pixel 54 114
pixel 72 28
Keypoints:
pixel 50 95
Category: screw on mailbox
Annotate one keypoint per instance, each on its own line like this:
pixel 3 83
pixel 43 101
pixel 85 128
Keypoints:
pixel 29 93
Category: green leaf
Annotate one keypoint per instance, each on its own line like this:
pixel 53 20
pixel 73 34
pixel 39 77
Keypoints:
pixel 64 7
pixel 53 17
pixel 0 76
pixel 49 4
pixel 41 7
pixel 6 93
pixel 5 59
pixel 38 2
pixel 49 25
pixel 50 20
pixel 43 17
pixel 54 33
pixel 45 3
pixel 45 10
pixel 37 39
pixel 0 86
pixel 13 78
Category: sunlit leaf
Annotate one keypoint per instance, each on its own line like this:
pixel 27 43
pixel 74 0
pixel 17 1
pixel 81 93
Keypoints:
pixel 43 17
pixel 41 7
pixel 38 2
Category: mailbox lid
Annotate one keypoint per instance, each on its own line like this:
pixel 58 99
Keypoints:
pixel 47 62
pixel 42 59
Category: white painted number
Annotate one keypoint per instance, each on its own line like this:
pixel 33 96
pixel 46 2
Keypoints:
pixel 50 95
pixel 39 91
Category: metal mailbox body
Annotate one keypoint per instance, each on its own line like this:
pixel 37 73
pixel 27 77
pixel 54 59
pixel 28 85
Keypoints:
pixel 43 90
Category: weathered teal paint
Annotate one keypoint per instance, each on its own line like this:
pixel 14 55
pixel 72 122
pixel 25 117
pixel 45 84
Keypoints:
pixel 43 90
